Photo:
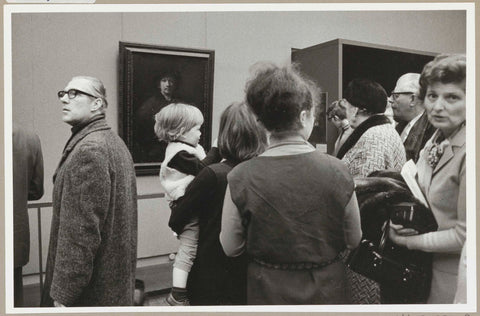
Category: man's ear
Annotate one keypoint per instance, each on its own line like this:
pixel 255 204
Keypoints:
pixel 413 98
pixel 97 105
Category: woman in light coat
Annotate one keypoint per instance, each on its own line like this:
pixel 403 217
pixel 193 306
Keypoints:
pixel 441 174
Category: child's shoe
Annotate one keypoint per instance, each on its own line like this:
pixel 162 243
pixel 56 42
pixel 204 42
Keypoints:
pixel 173 302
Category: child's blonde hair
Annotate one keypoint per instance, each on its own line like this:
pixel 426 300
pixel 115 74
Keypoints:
pixel 175 119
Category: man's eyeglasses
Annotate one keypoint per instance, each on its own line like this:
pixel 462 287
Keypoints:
pixel 395 95
pixel 72 93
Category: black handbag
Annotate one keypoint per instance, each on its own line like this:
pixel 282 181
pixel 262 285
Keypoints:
pixel 413 215
pixel 374 262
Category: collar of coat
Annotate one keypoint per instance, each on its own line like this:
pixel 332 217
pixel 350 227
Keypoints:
pixel 456 141
pixel 96 123
pixel 372 121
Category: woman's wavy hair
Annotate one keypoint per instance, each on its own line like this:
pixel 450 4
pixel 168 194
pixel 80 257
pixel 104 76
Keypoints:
pixel 175 119
pixel 277 95
pixel 241 136
pixel 444 68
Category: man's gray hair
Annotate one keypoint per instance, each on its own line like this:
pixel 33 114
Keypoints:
pixel 412 82
pixel 98 89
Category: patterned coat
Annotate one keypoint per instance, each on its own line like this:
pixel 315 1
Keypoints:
pixel 93 239
pixel 379 148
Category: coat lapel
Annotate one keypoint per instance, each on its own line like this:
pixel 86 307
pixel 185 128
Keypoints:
pixel 458 140
pixel 96 125
pixel 424 177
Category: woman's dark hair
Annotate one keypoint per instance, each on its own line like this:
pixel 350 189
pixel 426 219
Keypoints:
pixel 277 95
pixel 443 68
pixel 240 136
pixel 367 95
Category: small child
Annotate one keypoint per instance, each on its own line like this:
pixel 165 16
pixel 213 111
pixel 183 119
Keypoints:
pixel 179 125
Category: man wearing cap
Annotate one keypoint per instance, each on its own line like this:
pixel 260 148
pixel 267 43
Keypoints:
pixel 93 238
pixel 413 125
pixel 150 149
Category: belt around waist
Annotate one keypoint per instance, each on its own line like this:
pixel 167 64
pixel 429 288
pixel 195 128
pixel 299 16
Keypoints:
pixel 298 265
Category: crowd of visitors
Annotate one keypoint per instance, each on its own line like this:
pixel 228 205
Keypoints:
pixel 264 218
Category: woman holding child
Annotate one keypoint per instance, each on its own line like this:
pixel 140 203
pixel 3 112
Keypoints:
pixel 216 279
pixel 292 209
pixel 179 124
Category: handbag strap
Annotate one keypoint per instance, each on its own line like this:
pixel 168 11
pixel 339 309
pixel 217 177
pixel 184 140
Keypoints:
pixel 383 238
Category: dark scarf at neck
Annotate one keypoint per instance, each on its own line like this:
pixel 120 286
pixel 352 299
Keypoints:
pixel 359 131
pixel 77 128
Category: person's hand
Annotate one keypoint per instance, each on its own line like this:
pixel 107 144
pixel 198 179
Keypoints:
pixel 393 234
pixel 215 142
pixel 58 304
pixel 402 231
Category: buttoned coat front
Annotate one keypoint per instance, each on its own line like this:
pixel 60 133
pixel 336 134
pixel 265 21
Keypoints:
pixel 93 240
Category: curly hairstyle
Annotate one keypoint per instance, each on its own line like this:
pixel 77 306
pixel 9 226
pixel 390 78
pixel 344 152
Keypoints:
pixel 175 119
pixel 240 136
pixel 277 95
pixel 367 95
pixel 445 68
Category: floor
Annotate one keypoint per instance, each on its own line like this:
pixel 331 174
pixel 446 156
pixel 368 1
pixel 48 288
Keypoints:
pixel 154 299
pixel 157 279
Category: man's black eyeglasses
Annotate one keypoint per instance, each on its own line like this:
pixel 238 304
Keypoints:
pixel 395 95
pixel 72 93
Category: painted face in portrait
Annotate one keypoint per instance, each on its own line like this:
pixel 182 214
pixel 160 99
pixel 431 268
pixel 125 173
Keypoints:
pixel 445 106
pixel 167 86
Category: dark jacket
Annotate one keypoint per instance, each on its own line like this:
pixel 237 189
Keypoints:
pixel 420 133
pixel 93 239
pixel 27 185
pixel 215 279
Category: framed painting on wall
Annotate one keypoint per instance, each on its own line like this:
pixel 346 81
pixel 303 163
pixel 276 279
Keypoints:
pixel 152 77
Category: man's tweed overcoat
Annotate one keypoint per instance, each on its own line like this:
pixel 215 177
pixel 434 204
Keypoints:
pixel 93 239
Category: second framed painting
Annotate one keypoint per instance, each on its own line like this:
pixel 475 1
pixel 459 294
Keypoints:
pixel 152 77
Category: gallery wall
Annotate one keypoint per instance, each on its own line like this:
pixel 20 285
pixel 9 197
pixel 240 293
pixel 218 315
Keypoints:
pixel 49 48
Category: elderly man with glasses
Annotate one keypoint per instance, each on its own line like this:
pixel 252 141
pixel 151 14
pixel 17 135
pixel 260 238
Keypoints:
pixel 413 125
pixel 93 239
